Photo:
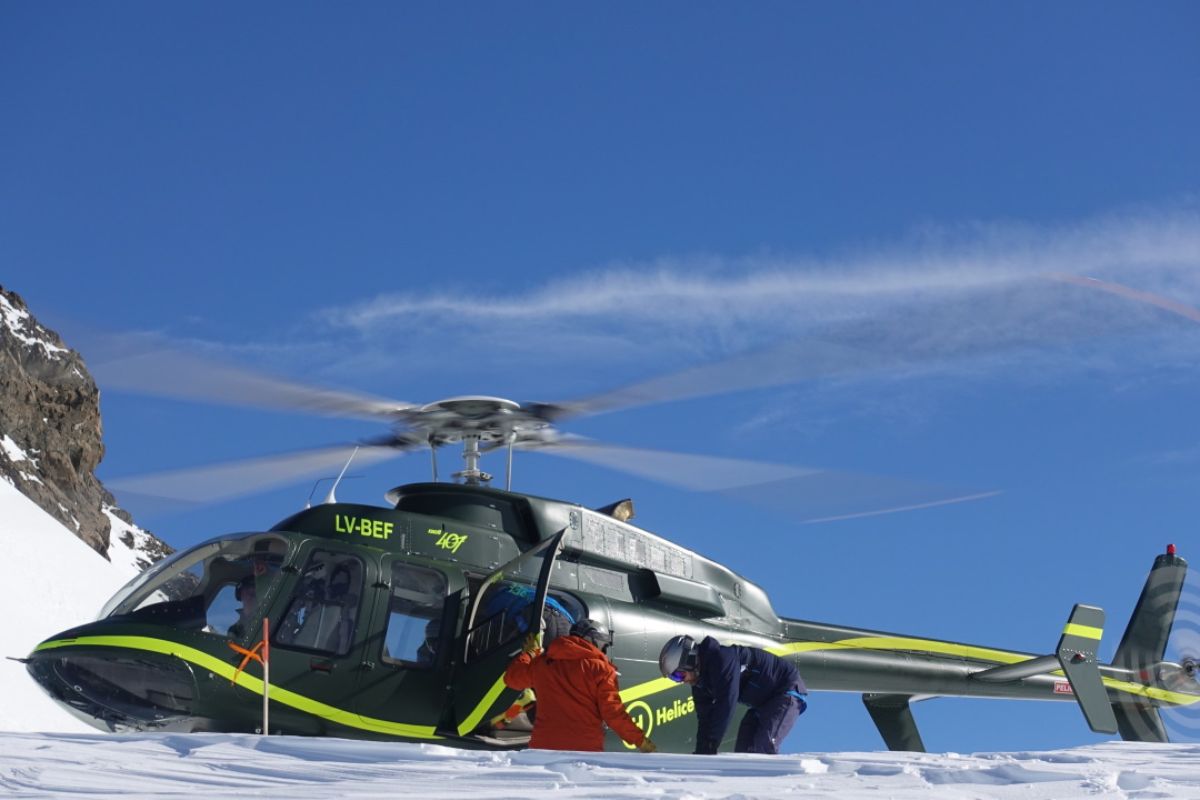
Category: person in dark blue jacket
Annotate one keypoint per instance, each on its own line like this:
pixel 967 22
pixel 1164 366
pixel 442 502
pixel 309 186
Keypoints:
pixel 722 676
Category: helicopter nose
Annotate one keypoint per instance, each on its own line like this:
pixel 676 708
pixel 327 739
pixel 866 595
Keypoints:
pixel 116 690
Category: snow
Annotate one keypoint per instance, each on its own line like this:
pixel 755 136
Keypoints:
pixel 14 452
pixel 238 765
pixel 49 581
pixel 128 559
pixel 19 324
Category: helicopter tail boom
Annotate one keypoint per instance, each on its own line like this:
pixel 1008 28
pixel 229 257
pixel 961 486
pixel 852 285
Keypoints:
pixel 1138 659
pixel 892 671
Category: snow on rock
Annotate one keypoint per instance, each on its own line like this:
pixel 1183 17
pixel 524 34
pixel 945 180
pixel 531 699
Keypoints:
pixel 237 765
pixel 51 433
pixel 25 329
pixel 50 580
pixel 14 452
pixel 128 544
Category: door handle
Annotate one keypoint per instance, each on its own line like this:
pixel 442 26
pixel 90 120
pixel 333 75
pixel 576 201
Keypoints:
pixel 320 665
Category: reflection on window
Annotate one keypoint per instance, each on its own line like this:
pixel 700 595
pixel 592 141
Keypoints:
pixel 224 614
pixel 179 586
pixel 324 607
pixel 199 589
pixel 504 616
pixel 413 636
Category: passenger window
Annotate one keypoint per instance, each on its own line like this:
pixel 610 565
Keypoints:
pixel 414 627
pixel 324 607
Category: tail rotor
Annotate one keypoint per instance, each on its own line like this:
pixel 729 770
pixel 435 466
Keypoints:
pixel 1182 722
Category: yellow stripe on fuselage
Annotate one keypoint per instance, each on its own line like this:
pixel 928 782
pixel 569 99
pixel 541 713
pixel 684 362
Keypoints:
pixel 481 708
pixel 278 694
pixel 646 689
pixel 931 646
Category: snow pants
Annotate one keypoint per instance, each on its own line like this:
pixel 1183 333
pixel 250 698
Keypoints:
pixel 765 727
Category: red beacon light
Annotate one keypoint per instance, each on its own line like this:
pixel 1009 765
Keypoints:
pixel 1170 549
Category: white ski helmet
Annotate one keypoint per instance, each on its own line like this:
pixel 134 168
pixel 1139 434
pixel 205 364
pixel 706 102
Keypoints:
pixel 678 653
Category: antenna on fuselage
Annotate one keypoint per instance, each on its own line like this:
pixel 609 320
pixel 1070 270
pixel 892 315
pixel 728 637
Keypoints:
pixel 330 498
pixel 319 481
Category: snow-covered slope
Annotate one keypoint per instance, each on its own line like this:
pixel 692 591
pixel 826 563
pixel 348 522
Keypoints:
pixel 216 765
pixel 50 580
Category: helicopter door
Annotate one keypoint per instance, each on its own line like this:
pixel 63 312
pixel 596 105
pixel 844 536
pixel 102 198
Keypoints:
pixel 493 631
pixel 316 640
pixel 401 687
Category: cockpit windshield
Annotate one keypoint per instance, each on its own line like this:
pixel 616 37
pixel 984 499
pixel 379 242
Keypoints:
pixel 215 586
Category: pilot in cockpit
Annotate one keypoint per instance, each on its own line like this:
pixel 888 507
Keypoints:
pixel 246 594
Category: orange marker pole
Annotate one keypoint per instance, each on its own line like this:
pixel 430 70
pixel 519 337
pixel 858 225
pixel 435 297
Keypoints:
pixel 266 662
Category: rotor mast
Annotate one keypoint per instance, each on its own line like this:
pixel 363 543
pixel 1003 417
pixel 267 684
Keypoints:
pixel 479 423
pixel 471 475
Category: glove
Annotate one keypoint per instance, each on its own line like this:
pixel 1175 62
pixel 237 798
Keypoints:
pixel 647 746
pixel 706 747
pixel 530 646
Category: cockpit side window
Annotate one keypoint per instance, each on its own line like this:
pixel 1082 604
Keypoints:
pixel 197 589
pixel 415 611
pixel 323 610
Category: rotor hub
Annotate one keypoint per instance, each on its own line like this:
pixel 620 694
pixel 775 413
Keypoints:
pixel 472 420
pixel 485 419
pixel 472 406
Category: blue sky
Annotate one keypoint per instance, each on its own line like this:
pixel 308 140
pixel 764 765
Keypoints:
pixel 541 202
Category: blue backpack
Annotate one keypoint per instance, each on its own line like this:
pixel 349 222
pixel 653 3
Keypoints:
pixel 514 598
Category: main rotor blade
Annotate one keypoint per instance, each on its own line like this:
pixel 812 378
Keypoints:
pixel 1055 310
pixel 218 482
pixel 148 366
pixel 694 472
pixel 778 366
pixel 807 494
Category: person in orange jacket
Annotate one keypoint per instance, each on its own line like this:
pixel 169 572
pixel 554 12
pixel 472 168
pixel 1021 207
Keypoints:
pixel 576 690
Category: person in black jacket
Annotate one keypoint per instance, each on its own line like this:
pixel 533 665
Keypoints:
pixel 721 676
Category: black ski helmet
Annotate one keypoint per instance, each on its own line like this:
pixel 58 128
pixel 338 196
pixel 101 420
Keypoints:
pixel 594 632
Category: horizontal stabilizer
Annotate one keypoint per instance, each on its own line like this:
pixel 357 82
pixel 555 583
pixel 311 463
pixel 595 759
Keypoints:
pixel 1076 653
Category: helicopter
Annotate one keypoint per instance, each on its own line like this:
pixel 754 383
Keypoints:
pixel 381 621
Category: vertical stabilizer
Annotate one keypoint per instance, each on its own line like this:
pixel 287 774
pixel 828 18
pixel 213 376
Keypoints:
pixel 1145 639
pixel 1144 644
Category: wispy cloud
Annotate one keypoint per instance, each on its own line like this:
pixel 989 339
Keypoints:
pixel 974 301
pixel 981 289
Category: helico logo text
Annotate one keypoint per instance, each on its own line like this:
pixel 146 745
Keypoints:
pixel 648 718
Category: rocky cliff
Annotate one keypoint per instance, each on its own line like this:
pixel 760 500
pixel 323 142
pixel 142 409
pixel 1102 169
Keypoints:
pixel 51 436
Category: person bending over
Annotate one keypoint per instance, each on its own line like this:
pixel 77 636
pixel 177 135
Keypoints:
pixel 722 676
